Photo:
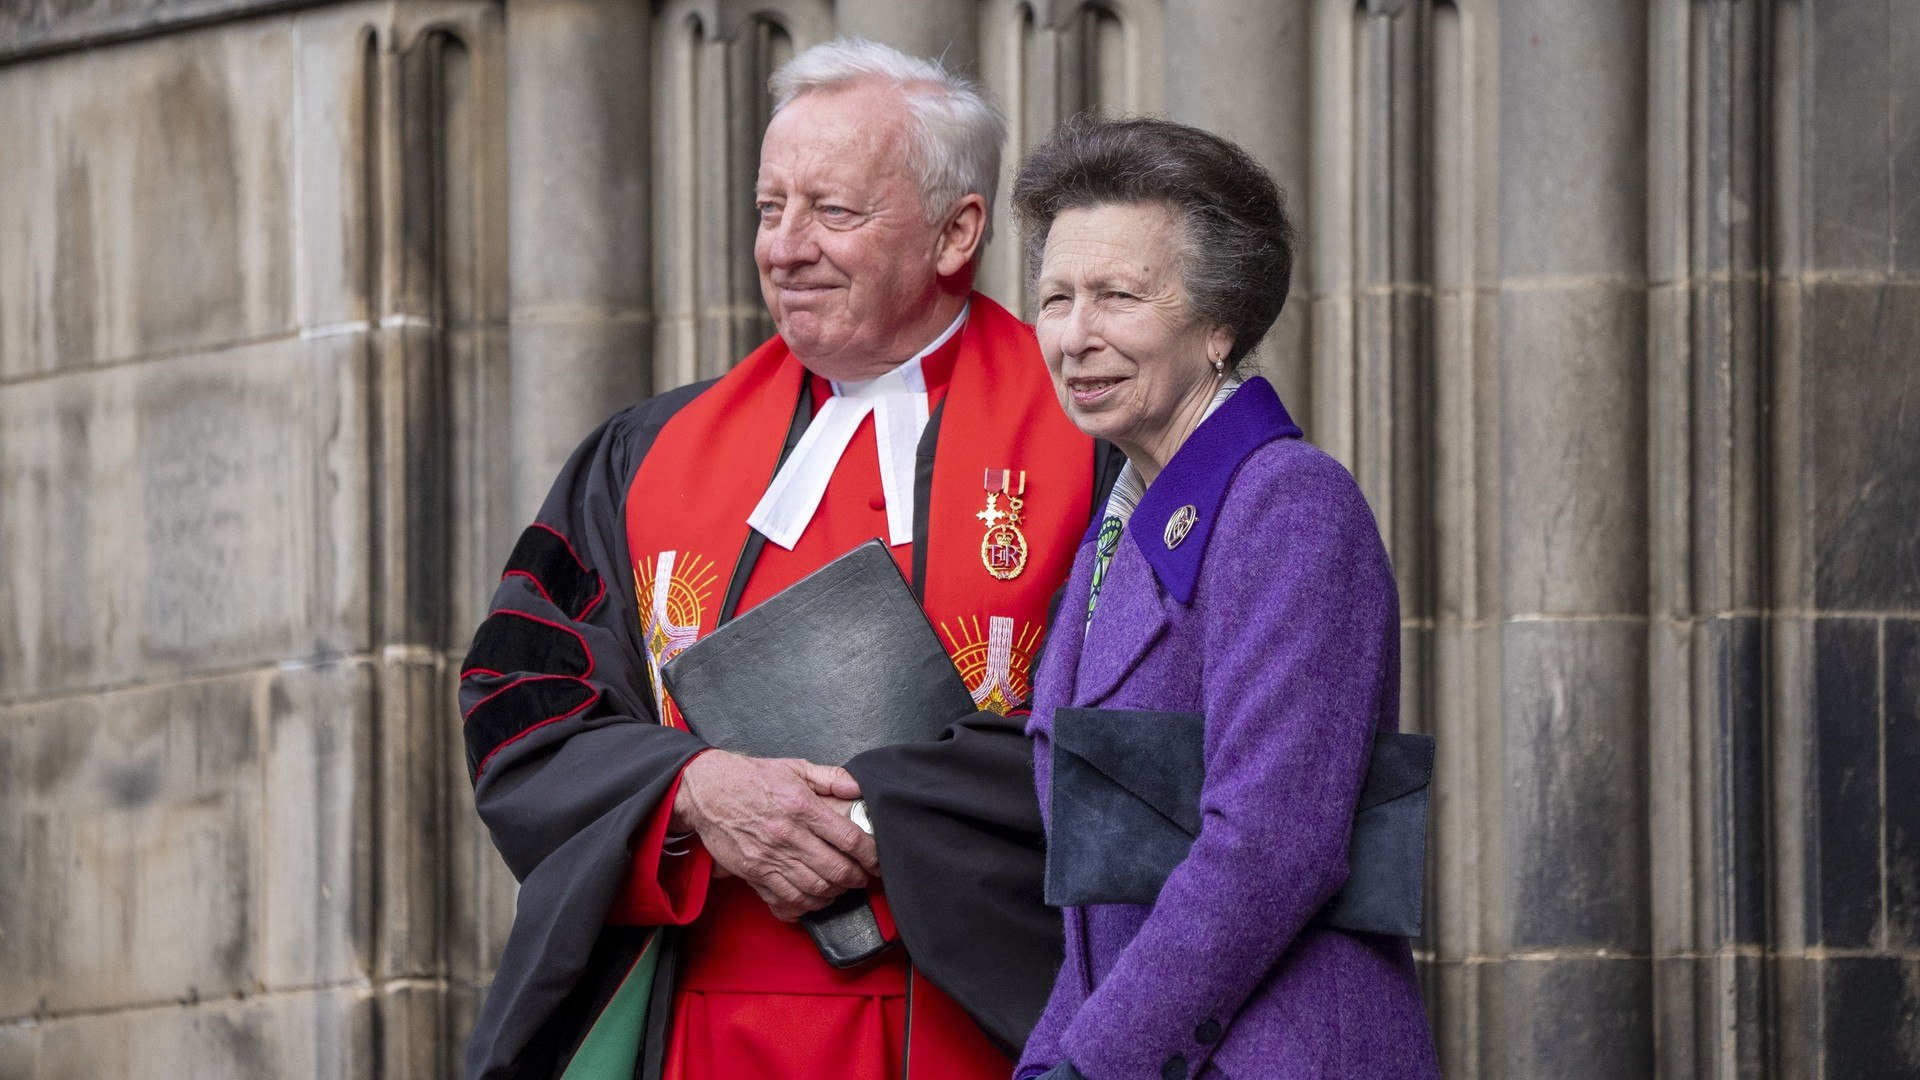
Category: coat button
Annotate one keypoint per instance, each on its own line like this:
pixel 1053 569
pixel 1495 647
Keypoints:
pixel 1207 1033
pixel 878 502
pixel 1174 1069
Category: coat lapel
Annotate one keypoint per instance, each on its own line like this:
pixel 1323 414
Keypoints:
pixel 1128 621
pixel 1157 564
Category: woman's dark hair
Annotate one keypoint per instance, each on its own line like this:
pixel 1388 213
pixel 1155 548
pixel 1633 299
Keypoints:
pixel 1239 256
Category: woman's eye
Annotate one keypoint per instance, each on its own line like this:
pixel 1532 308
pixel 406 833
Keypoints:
pixel 1054 300
pixel 1115 294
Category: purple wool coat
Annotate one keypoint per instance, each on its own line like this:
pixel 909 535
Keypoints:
pixel 1276 617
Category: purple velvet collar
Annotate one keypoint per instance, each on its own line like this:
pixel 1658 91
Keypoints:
pixel 1195 481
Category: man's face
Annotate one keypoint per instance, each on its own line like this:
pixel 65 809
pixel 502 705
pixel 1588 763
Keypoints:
pixel 847 258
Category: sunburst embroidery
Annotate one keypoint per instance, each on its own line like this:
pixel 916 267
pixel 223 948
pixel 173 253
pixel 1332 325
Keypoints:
pixel 673 590
pixel 995 661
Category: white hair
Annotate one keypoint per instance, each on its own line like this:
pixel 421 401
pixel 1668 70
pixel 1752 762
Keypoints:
pixel 955 133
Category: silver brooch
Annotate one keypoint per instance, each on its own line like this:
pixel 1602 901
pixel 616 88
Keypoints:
pixel 1180 524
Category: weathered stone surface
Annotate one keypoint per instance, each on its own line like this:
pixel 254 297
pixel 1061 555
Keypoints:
pixel 1863 406
pixel 1576 767
pixel 149 199
pixel 1670 449
pixel 42 26
pixel 1710 1008
pixel 16 1051
pixel 1729 705
pixel 579 73
pixel 412 1032
pixel 315 830
pixel 1844 849
pixel 1464 1009
pixel 1871 1028
pixel 592 369
pixel 484 527
pixel 949 29
pixel 175 517
pixel 1846 115
pixel 337 68
pixel 325 1034
pixel 1465 468
pixel 1904 130
pixel 1674 760
pixel 1710 786
pixel 184 841
pixel 418 727
pixel 1900 697
pixel 579 142
pixel 1578 1018
pixel 1573 206
pixel 1727 403
pixel 1467 912
pixel 1573 455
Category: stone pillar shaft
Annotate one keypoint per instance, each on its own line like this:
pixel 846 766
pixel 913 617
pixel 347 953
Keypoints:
pixel 582 318
pixel 1576 985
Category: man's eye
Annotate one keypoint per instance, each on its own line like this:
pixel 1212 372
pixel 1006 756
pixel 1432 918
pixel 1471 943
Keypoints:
pixel 766 208
pixel 835 213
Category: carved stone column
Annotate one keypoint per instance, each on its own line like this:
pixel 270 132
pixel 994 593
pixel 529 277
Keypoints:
pixel 1576 983
pixel 581 328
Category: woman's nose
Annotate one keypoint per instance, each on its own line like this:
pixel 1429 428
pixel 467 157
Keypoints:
pixel 1077 336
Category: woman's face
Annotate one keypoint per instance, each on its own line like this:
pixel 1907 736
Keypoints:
pixel 1129 360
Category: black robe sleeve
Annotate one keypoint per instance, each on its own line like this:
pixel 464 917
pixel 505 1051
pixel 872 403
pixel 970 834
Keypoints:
pixel 562 740
pixel 962 851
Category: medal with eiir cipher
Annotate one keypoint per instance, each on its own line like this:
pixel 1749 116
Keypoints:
pixel 1003 550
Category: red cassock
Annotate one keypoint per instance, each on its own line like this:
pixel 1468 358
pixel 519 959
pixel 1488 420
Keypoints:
pixel 754 998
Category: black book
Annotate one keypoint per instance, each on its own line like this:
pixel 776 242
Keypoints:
pixel 841 662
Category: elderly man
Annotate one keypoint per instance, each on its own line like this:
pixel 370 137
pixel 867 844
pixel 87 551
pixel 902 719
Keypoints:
pixel 655 933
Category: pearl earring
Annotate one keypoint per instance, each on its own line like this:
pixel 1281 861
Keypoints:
pixel 1219 365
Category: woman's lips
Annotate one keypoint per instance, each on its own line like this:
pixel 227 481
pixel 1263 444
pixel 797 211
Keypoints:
pixel 1089 391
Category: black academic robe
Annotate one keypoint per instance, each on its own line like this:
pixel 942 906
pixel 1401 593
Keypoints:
pixel 573 770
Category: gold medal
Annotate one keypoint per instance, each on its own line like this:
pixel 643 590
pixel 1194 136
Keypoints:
pixel 1003 550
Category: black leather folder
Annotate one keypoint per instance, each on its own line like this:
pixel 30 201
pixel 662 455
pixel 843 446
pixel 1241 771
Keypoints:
pixel 841 662
pixel 1125 810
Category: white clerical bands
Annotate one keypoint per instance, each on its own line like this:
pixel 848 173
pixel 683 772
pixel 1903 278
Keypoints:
pixel 898 402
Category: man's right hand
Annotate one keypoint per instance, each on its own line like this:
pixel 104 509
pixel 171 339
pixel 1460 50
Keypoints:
pixel 770 823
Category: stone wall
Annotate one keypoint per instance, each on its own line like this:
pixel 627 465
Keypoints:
pixel 252 355
pixel 1611 306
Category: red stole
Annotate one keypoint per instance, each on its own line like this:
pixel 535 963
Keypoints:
pixel 688 503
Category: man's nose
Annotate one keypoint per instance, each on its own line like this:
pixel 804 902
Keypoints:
pixel 790 242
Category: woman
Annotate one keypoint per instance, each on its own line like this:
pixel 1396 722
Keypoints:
pixel 1237 576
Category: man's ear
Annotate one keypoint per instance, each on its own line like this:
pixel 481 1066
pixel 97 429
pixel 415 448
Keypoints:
pixel 962 236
